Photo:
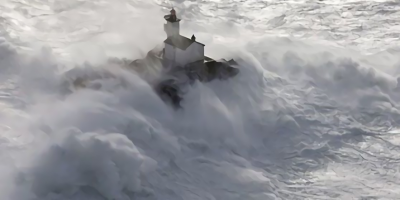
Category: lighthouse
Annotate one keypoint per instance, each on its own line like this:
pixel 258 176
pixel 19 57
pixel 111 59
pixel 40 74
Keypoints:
pixel 179 51
pixel 172 25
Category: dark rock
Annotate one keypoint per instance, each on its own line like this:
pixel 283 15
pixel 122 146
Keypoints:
pixel 169 87
pixel 169 92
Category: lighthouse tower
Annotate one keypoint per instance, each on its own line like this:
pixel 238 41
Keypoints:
pixel 180 51
pixel 172 25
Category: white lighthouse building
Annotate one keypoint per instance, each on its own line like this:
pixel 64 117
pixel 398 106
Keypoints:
pixel 179 50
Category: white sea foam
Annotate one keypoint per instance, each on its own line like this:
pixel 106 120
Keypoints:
pixel 304 119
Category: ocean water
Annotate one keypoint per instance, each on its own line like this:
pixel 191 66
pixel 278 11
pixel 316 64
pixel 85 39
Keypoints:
pixel 313 114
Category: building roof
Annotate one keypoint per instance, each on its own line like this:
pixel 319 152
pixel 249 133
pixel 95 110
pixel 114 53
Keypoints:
pixel 206 58
pixel 180 42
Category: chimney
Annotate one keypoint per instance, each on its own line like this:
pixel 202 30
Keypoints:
pixel 193 38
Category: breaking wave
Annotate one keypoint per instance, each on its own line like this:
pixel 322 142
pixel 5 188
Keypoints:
pixel 300 121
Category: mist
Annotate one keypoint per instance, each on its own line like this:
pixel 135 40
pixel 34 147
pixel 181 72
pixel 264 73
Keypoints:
pixel 306 117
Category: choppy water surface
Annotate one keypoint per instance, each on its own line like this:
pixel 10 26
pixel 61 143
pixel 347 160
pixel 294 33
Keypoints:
pixel 314 113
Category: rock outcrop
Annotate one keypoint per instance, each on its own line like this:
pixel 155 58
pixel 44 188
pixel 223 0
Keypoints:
pixel 168 87
pixel 168 82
